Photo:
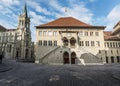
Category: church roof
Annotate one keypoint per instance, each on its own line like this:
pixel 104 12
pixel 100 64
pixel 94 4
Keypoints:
pixel 25 10
pixel 11 29
pixel 109 37
pixel 24 13
pixel 66 22
pixel 2 28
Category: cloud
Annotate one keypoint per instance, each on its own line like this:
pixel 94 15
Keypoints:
pixel 81 12
pixel 37 19
pixel 75 9
pixel 92 0
pixel 38 8
pixel 113 17
pixel 10 2
pixel 41 12
pixel 114 14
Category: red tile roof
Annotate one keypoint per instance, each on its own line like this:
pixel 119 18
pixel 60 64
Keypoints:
pixel 107 33
pixel 109 37
pixel 117 30
pixel 118 23
pixel 66 22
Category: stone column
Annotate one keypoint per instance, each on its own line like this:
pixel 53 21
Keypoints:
pixel 61 41
pixel 69 51
pixel 77 40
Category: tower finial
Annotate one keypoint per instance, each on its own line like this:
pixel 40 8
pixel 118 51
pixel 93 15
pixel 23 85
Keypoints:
pixel 25 10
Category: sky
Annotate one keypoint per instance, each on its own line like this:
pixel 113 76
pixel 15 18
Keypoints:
pixel 94 12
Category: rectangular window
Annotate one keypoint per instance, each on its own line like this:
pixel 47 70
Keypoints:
pixel 119 44
pixel 92 43
pixel 40 42
pixel 55 43
pixel 116 44
pixel 117 51
pixel 81 43
pixel 96 33
pixel 110 44
pixel 45 43
pixel 40 33
pixel 80 33
pixel 87 43
pixel 113 44
pixel 44 33
pixel 105 52
pixel 99 51
pixel 91 33
pixel 55 33
pixel 50 33
pixel 86 33
pixel 50 43
pixel 98 43
pixel 107 44
pixel 111 52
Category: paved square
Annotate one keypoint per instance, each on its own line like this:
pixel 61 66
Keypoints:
pixel 30 74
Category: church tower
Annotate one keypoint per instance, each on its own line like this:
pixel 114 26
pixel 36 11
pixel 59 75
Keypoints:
pixel 24 36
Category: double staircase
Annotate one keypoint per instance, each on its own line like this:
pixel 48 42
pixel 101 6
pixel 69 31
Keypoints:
pixel 83 56
pixel 47 54
pixel 86 57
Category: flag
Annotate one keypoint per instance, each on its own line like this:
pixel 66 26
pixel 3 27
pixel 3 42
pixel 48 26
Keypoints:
pixel 65 9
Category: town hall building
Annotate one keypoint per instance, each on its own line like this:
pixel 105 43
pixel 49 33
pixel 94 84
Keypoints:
pixel 67 40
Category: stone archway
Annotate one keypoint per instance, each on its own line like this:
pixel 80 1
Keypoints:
pixel 66 58
pixel 73 57
pixel 17 52
pixel 26 54
pixel 106 59
pixel 112 59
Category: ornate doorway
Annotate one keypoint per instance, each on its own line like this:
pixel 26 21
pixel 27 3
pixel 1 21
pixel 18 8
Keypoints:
pixel 73 57
pixel 26 54
pixel 66 58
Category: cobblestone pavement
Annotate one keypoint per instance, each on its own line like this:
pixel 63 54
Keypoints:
pixel 30 74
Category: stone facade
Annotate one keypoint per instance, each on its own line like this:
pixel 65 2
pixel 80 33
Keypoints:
pixel 69 41
pixel 111 54
pixel 24 36
pixel 18 41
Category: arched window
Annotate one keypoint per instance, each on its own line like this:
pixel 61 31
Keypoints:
pixel 65 41
pixel 72 41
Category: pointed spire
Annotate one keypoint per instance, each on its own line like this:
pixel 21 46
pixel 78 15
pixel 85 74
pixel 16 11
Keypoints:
pixel 25 10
